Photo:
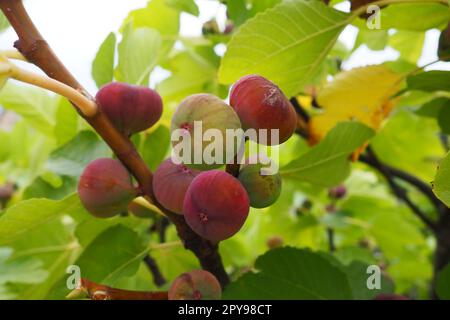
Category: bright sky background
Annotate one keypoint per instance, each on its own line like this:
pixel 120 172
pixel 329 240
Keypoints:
pixel 76 28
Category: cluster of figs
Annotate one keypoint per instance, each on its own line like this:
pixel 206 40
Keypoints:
pixel 215 203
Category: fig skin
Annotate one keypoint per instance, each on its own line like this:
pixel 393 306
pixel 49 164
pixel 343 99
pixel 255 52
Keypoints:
pixel 130 108
pixel 105 188
pixel 216 205
pixel 213 113
pixel 170 184
pixel 263 190
pixel 195 285
pixel 260 104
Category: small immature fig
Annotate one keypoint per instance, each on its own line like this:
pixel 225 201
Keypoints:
pixel 170 184
pixel 275 242
pixel 263 190
pixel 195 117
pixel 337 192
pixel 260 104
pixel 216 205
pixel 130 108
pixel 195 285
pixel 105 188
pixel 444 44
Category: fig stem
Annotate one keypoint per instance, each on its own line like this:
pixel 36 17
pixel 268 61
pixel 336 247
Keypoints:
pixel 87 107
pixel 13 54
pixel 147 204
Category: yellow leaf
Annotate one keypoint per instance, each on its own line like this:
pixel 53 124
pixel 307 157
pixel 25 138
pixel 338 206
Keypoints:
pixel 362 94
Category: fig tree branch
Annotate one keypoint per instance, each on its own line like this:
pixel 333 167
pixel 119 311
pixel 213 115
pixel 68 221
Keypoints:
pixel 405 176
pixel 399 191
pixel 158 277
pixel 95 291
pixel 36 50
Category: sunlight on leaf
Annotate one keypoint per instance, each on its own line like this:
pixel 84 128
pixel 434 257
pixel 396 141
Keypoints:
pixel 361 94
pixel 285 44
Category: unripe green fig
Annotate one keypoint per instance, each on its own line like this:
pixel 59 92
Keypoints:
pixel 216 205
pixel 197 117
pixel 260 104
pixel 263 190
pixel 130 108
pixel 170 184
pixel 195 285
pixel 444 44
pixel 105 188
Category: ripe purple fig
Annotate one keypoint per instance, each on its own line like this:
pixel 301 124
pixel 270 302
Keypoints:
pixel 263 190
pixel 260 104
pixel 170 184
pixel 130 108
pixel 216 205
pixel 195 285
pixel 105 188
pixel 195 117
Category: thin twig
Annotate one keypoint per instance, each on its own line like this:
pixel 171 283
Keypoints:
pixel 405 176
pixel 152 266
pixel 95 291
pixel 398 190
pixel 331 244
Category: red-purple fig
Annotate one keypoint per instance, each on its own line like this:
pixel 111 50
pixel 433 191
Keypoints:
pixel 260 104
pixel 130 108
pixel 170 184
pixel 195 285
pixel 216 205
pixel 105 188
